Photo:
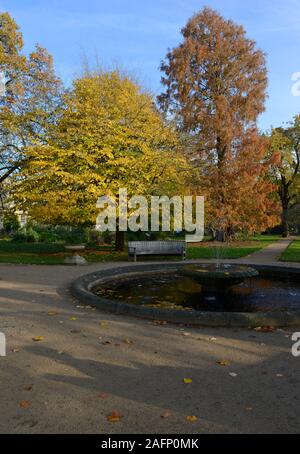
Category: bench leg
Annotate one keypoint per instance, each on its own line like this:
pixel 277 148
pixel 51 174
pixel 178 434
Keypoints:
pixel 134 257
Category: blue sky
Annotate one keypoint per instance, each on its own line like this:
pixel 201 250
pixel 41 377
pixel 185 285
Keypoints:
pixel 136 34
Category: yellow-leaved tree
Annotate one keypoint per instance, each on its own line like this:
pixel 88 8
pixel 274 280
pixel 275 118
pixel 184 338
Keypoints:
pixel 109 136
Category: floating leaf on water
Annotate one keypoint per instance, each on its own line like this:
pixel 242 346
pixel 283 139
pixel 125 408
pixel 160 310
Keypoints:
pixel 265 329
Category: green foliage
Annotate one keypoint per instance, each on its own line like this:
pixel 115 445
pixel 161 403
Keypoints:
pixel 77 235
pixel 26 235
pixel 11 223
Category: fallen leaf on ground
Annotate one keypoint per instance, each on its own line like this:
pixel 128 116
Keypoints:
pixel 114 417
pixel 186 334
pixel 28 387
pixel 279 375
pixel 15 350
pixel 103 395
pixel 233 374
pixel 38 339
pixel 103 324
pixel 52 313
pixel 24 404
pixel 159 322
pixel 212 339
pixel 73 319
pixel 127 341
pixel 249 408
pixel 166 414
pixel 187 381
pixel 192 418
pixel 224 362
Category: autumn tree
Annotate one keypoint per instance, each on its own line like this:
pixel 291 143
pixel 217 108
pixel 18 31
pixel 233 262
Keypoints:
pixel 215 88
pixel 110 136
pixel 32 99
pixel 286 174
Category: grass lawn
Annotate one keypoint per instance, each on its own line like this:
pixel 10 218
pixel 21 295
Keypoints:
pixel 54 254
pixel 292 253
pixel 51 254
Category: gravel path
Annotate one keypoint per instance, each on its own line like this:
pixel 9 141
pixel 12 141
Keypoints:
pixel 91 364
pixel 270 254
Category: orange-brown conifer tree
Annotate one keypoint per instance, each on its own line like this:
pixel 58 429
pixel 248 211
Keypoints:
pixel 215 87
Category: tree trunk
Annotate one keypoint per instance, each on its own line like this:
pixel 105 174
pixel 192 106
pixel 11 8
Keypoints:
pixel 285 202
pixel 120 241
pixel 220 235
pixel 284 222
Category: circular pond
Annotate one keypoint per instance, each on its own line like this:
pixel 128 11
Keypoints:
pixel 173 291
pixel 271 296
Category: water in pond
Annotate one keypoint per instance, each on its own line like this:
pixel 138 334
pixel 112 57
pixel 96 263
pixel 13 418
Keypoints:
pixel 173 291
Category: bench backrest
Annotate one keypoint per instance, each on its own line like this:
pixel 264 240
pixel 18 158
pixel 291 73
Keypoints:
pixel 157 246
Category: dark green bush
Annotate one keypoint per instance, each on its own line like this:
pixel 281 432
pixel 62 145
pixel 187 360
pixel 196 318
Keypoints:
pixel 11 223
pixel 26 235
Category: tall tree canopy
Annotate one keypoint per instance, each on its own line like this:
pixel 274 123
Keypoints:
pixel 286 175
pixel 109 136
pixel 32 100
pixel 215 87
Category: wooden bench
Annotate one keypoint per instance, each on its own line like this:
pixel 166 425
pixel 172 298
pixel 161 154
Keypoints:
pixel 136 248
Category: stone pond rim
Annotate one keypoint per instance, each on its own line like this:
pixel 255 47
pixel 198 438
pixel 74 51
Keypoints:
pixel 82 289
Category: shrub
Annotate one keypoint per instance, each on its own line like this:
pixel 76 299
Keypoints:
pixel 77 235
pixel 11 223
pixel 20 237
pixel 26 235
pixel 108 237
